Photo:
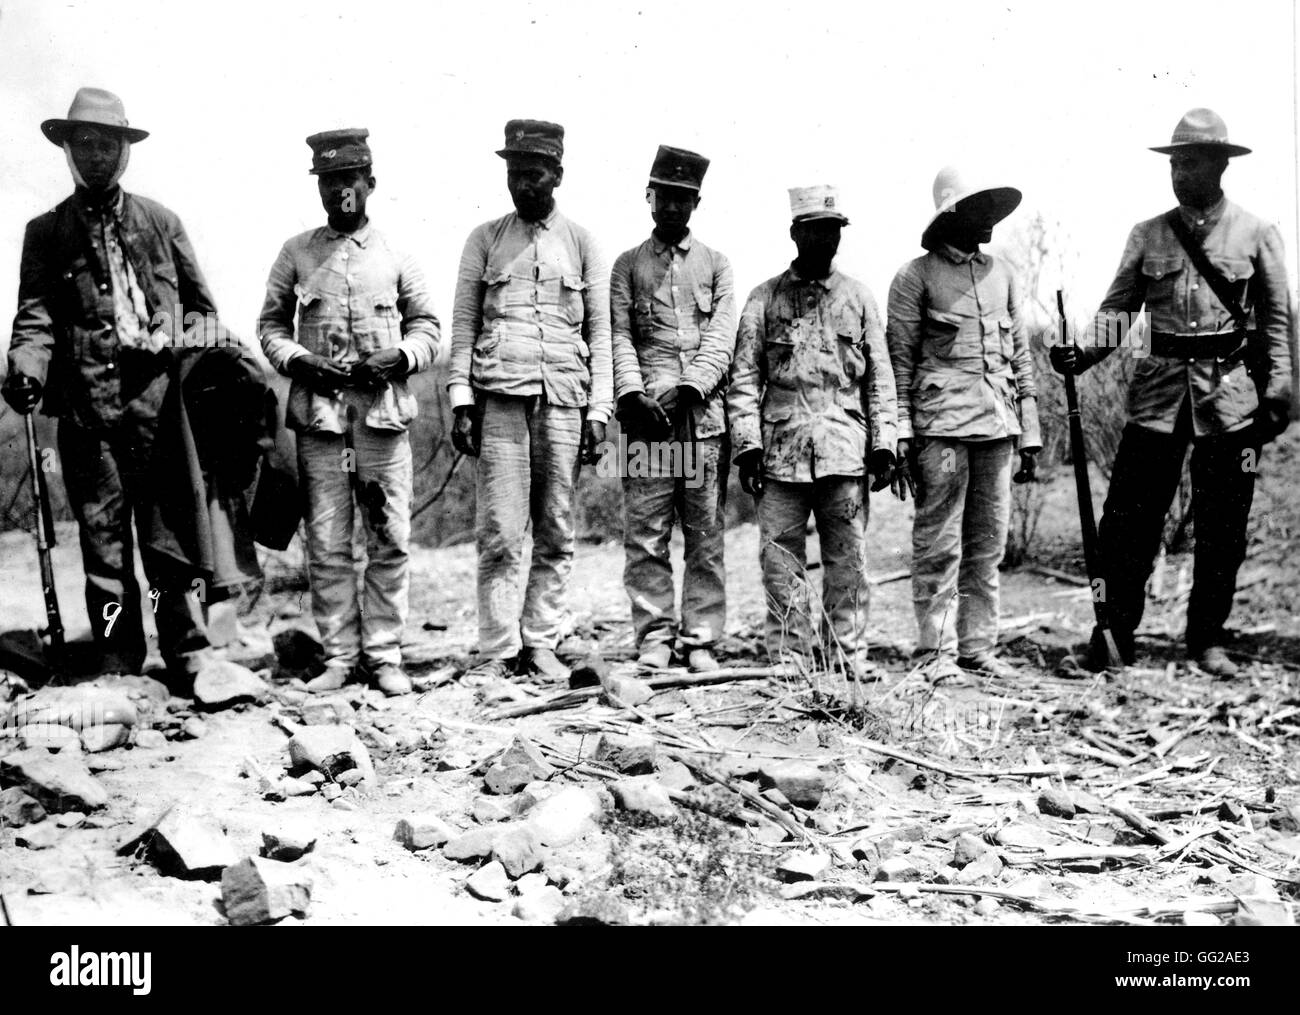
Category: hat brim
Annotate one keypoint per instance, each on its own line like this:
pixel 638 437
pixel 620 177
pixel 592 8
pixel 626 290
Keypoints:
pixel 507 153
pixel 1221 147
pixel 998 202
pixel 340 169
pixel 656 181
pixel 57 131
pixel 813 216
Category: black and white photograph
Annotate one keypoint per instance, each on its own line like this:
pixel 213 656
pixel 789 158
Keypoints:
pixel 685 464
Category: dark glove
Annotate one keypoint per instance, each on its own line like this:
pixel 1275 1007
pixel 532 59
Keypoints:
pixel 22 393
pixel 593 436
pixel 321 375
pixel 752 472
pixel 901 480
pixel 1066 359
pixel 1028 467
pixel 467 430
pixel 1272 417
pixel 881 467
pixel 380 369
pixel 639 413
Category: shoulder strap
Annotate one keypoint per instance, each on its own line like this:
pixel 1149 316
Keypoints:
pixel 1220 286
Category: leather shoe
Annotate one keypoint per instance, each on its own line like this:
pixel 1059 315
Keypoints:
pixel 1215 662
pixel 988 664
pixel 332 679
pixel 701 660
pixel 545 663
pixel 390 678
pixel 656 656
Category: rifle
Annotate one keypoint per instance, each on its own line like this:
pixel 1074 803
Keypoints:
pixel 45 540
pixel 1083 486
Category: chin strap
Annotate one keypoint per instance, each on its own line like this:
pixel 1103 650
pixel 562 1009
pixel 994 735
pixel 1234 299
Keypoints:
pixel 122 160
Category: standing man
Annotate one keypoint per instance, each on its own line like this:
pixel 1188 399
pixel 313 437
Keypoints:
pixel 966 402
pixel 531 384
pixel 673 312
pixel 365 322
pixel 98 273
pixel 812 411
pixel 1212 277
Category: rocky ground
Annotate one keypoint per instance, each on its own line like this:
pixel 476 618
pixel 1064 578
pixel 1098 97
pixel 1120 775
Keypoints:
pixel 1155 795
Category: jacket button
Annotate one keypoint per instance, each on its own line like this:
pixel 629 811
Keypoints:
pixel 1195 286
pixel 103 287
pixel 1195 324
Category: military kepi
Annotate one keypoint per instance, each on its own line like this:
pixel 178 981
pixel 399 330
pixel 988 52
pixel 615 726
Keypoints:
pixel 332 150
pixel 820 202
pixel 676 167
pixel 534 137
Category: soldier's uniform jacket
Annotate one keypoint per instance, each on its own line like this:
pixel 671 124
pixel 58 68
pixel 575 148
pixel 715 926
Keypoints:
pixel 354 295
pixel 673 316
pixel 532 315
pixel 1156 271
pixel 65 332
pixel 811 383
pixel 960 354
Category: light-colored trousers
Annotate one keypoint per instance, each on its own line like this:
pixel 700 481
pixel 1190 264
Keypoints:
pixel 527 467
pixel 368 626
pixel 958 539
pixel 650 504
pixel 839 505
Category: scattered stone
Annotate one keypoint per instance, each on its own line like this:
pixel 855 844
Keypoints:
pixel 331 750
pixel 897 868
pixel 97 764
pixel 331 791
pixel 377 740
pixel 530 883
pixel 423 831
pixel 18 808
pixel 1250 913
pixel 60 782
pixel 505 780
pixel 350 778
pixel 769 833
pixel 987 906
pixel 489 809
pixel 489 883
pixel 297 650
pixel 70 819
pixel 523 752
pixel 874 850
pixel 476 844
pixel 591 672
pixel 1252 886
pixel 626 692
pixel 104 738
pixel 953 827
pixel 985 867
pixel 533 794
pixel 518 849
pixel 78 708
pixel 775 796
pixel 221 684
pixel 313 778
pixel 594 911
pixel 642 795
pixel 329 712
pixel 541 906
pixel 565 816
pixel 41 835
pixel 967 849
pixel 1025 837
pixel 343 804
pixel 802 865
pixel 802 783
pixel 1056 802
pixel 257 890
pixel 150 740
pixel 287 844
pixel 50 737
pixel 910 833
pixel 578 864
pixel 454 761
pixel 674 775
pixel 625 754
pixel 194 728
pixel 1086 803
pixel 1231 811
pixel 290 786
pixel 191 847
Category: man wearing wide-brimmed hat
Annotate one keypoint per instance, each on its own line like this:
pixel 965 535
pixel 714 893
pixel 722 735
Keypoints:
pixel 99 272
pixel 673 313
pixel 966 405
pixel 365 323
pixel 532 387
pixel 812 413
pixel 1216 374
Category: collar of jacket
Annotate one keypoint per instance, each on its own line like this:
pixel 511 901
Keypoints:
pixel 81 197
pixel 659 247
pixel 545 223
pixel 827 283
pixel 361 237
pixel 1203 218
pixel 951 253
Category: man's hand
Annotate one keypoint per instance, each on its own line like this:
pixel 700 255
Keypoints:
pixel 641 414
pixel 1065 359
pixel 752 473
pixel 1272 417
pixel 467 430
pixel 901 481
pixel 1028 466
pixel 881 467
pixel 322 375
pixel 21 392
pixel 593 436
pixel 380 369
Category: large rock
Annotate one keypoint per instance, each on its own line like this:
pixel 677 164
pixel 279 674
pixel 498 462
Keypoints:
pixel 489 883
pixel 286 843
pixel 476 844
pixel 541 906
pixel 60 782
pixel 566 815
pixel 675 775
pixel 984 868
pixel 104 738
pixel 41 835
pixel 50 737
pixel 800 782
pixel 642 795
pixel 518 849
pixel 256 891
pixel 79 708
pixel 489 809
pixel 18 808
pixel 191 846
pixel 424 831
pixel 1056 802
pixel 625 754
pixel 221 683
pixel 523 752
pixel 625 692
pixel 803 865
pixel 967 849
pixel 331 750
pixel 327 712
pixel 507 779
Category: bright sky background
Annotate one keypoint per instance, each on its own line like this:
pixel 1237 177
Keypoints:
pixel 1059 100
